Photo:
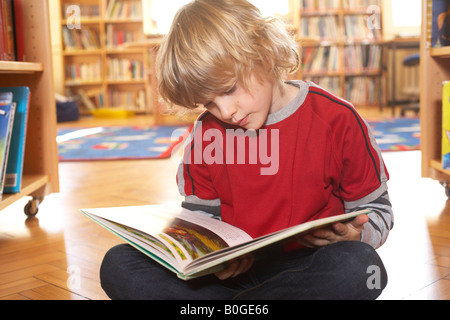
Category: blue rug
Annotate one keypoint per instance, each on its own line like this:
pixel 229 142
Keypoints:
pixel 118 143
pixel 397 134
pixel 158 142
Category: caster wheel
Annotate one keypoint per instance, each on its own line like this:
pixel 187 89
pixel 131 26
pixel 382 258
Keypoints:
pixel 446 186
pixel 31 209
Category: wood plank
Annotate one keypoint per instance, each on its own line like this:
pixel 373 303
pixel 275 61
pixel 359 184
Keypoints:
pixel 20 67
pixel 20 285
pixel 439 290
pixel 50 292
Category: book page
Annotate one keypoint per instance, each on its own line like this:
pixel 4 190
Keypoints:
pixel 188 234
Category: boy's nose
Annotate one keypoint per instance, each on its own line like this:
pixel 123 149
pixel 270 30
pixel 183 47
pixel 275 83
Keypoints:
pixel 227 109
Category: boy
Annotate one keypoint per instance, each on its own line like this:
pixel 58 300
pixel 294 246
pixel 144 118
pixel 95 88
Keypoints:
pixel 265 155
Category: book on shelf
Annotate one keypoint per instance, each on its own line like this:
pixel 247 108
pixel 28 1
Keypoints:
pixel 86 11
pixel 332 84
pixel 191 243
pixel 362 90
pixel 79 73
pixel 14 168
pixel 11 31
pixel 7 39
pixel 134 100
pixel 80 39
pixel 362 58
pixel 359 5
pixel 124 69
pixel 124 9
pixel 440 23
pixel 325 28
pixel 7 108
pixel 319 5
pixel 445 143
pixel 116 36
pixel 18 30
pixel 321 59
pixel 91 99
pixel 356 29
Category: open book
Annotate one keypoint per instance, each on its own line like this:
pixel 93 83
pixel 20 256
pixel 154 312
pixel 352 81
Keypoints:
pixel 192 243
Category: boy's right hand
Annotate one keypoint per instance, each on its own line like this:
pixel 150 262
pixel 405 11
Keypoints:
pixel 236 267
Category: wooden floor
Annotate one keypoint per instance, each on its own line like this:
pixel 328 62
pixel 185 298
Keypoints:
pixel 57 254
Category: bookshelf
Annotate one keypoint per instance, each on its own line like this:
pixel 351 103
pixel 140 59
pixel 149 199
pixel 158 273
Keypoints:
pixel 434 69
pixel 40 173
pixel 342 47
pixel 96 57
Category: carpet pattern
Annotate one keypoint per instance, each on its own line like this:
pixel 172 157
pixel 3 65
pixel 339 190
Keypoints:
pixel 118 143
pixel 158 142
pixel 397 134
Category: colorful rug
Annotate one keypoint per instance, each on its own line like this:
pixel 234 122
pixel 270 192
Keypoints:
pixel 397 134
pixel 118 143
pixel 158 142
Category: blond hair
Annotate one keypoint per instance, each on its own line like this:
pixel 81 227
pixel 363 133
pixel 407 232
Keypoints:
pixel 214 43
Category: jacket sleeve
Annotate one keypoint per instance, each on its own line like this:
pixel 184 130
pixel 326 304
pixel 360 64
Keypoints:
pixel 381 220
pixel 194 179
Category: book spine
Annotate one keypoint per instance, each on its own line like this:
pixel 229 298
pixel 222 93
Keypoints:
pixel 440 23
pixel 6 121
pixel 18 30
pixel 445 140
pixel 14 169
pixel 3 44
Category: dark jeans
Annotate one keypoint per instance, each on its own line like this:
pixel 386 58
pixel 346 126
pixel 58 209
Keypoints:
pixel 345 270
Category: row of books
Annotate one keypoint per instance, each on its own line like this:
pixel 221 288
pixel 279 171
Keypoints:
pixel 124 69
pixel 323 5
pixel 117 36
pixel 83 72
pixel 117 69
pixel 321 59
pixel 319 5
pixel 362 90
pixel 328 28
pixel 14 105
pixel 134 100
pixel 332 84
pixel 357 58
pixel 11 31
pixel 356 28
pixel 323 27
pixel 89 38
pixel 357 90
pixel 80 39
pixel 84 10
pixel 359 4
pixel 116 9
pixel 362 58
pixel 124 9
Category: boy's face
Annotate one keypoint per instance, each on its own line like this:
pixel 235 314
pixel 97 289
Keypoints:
pixel 245 108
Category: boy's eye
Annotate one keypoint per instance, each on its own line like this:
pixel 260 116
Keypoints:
pixel 231 90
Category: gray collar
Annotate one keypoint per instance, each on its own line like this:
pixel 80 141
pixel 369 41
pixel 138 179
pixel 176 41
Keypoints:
pixel 292 106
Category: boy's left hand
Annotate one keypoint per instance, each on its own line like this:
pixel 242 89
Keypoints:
pixel 349 231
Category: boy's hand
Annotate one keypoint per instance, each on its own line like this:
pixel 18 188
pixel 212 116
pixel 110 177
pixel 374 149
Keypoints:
pixel 349 231
pixel 236 267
